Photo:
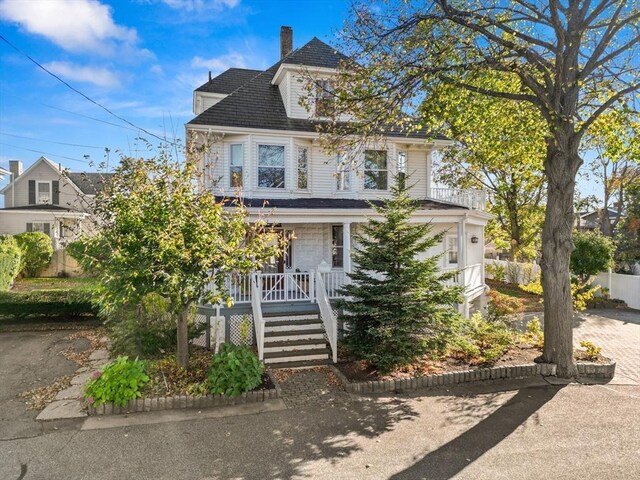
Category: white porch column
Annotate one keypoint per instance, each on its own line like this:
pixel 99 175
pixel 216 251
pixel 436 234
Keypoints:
pixel 346 246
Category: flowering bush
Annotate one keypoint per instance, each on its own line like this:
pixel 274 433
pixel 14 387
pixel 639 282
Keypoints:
pixel 118 382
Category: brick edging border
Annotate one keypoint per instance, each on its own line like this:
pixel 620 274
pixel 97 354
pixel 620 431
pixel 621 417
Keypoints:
pixel 588 370
pixel 152 404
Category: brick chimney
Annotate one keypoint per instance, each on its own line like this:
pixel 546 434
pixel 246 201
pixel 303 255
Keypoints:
pixel 15 167
pixel 286 41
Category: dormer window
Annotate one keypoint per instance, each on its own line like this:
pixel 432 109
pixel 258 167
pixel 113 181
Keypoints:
pixel 324 98
pixel 375 170
pixel 44 192
pixel 271 166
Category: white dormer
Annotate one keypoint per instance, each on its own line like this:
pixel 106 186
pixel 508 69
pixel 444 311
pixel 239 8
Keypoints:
pixel 296 82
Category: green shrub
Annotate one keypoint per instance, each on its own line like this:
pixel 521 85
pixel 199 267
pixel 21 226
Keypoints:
pixel 36 252
pixel 234 369
pixel 497 271
pixel 592 253
pixel 480 341
pixel 50 303
pixel 146 330
pixel 10 259
pixel 118 382
pixel 501 307
pixel 593 351
pixel 534 334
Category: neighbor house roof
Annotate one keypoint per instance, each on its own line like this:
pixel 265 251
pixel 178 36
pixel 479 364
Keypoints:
pixel 228 81
pixel 42 207
pixel 89 183
pixel 258 104
pixel 338 203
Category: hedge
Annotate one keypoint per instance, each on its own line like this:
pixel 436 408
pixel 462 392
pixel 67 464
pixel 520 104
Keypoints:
pixel 49 303
pixel 36 252
pixel 10 258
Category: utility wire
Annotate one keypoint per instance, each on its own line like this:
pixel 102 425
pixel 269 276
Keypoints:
pixel 47 153
pixel 52 141
pixel 80 93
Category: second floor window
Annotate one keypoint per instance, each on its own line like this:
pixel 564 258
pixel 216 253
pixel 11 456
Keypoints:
pixel 271 166
pixel 303 168
pixel 324 98
pixel 343 170
pixel 236 161
pixel 44 192
pixel 375 170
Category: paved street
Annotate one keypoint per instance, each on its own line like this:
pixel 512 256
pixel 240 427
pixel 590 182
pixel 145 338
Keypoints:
pixel 528 430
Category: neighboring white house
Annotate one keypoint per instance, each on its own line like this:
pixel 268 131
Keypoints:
pixel 267 153
pixel 46 198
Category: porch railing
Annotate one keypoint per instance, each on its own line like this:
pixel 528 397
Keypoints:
pixel 326 314
pixel 332 282
pixel 470 198
pixel 256 309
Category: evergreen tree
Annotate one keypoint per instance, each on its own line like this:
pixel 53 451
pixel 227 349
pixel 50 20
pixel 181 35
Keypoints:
pixel 397 305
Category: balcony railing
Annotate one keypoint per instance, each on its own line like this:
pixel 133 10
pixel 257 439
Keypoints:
pixel 470 198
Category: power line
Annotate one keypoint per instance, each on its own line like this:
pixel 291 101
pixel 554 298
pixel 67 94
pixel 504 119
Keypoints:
pixel 52 141
pixel 80 93
pixel 90 118
pixel 47 153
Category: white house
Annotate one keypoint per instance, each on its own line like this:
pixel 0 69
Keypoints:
pixel 267 153
pixel 47 198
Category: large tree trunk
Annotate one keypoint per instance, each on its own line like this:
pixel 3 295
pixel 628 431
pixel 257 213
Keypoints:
pixel 183 336
pixel 561 168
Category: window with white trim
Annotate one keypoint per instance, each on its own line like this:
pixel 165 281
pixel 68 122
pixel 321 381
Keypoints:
pixel 324 97
pixel 43 192
pixel 451 250
pixel 402 162
pixel 343 173
pixel 375 170
pixel 337 246
pixel 236 163
pixel 271 170
pixel 303 168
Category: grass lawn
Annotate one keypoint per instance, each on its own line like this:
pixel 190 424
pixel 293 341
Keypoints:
pixel 54 283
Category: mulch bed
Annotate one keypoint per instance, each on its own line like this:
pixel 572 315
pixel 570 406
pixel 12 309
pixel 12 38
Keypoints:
pixel 361 371
pixel 531 301
pixel 166 379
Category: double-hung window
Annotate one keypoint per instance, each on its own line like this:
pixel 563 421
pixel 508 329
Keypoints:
pixel 402 163
pixel 324 98
pixel 236 163
pixel 337 246
pixel 271 171
pixel 303 168
pixel 451 251
pixel 375 170
pixel 43 192
pixel 343 171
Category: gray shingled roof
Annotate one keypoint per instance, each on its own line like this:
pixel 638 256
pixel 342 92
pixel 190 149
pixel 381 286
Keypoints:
pixel 338 203
pixel 228 81
pixel 42 206
pixel 258 104
pixel 89 182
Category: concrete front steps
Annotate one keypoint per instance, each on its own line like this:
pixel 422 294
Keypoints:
pixel 294 339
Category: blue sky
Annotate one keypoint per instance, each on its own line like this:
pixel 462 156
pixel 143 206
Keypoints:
pixel 139 58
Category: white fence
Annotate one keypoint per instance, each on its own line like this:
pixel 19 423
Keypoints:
pixel 621 287
pixel 514 272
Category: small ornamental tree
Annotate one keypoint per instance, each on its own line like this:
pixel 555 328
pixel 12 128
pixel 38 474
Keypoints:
pixel 162 231
pixel 592 253
pixel 398 307
pixel 36 252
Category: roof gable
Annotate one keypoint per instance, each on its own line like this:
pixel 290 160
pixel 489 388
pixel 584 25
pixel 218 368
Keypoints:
pixel 53 166
pixel 316 53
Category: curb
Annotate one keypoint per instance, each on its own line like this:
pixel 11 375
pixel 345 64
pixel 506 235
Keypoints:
pixel 588 370
pixel 178 402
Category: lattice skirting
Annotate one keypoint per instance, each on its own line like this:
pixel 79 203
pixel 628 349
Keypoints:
pixel 241 329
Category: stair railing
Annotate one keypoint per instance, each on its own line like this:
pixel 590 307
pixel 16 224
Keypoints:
pixel 326 314
pixel 256 308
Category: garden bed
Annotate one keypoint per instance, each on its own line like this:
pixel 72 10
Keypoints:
pixel 530 302
pixel 517 362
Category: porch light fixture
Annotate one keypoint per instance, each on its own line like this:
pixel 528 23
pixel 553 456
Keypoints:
pixel 474 239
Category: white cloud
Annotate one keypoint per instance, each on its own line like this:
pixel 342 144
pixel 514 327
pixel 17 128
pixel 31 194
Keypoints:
pixel 199 5
pixel 221 63
pixel 74 25
pixel 101 77
pixel 156 69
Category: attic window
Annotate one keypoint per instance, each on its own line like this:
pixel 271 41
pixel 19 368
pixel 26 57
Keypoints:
pixel 44 192
pixel 324 98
